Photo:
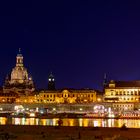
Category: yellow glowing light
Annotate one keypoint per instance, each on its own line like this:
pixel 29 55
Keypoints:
pixel 32 114
pixel 81 109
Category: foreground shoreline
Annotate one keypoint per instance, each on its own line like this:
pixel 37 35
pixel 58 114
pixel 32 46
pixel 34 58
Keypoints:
pixel 67 133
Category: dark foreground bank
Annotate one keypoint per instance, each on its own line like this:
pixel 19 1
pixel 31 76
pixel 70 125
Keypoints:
pixel 8 132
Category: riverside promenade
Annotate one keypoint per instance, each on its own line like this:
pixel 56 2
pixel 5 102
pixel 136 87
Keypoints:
pixel 9 132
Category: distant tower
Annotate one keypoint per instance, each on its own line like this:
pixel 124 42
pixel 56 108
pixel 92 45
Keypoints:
pixel 51 82
pixel 105 80
pixel 19 61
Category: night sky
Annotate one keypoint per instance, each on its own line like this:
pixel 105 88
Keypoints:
pixel 77 40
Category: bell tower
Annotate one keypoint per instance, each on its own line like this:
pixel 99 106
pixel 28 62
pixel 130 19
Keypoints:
pixel 51 82
pixel 19 59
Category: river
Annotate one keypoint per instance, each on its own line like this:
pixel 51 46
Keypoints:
pixel 130 123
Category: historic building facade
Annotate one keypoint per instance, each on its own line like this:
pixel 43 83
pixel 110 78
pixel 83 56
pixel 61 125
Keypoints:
pixel 123 94
pixel 19 81
pixel 122 91
pixel 63 96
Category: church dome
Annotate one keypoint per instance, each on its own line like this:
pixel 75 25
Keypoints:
pixel 19 81
pixel 19 75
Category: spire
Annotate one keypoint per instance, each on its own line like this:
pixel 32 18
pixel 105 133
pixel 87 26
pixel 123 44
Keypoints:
pixel 19 50
pixel 105 80
pixel 51 75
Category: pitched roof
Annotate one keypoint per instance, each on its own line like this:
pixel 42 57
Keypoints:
pixel 126 83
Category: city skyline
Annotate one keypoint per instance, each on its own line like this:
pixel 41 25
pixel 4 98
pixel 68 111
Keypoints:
pixel 19 54
pixel 78 41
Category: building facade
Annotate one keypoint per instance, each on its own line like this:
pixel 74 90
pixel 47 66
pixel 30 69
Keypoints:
pixel 70 96
pixel 122 91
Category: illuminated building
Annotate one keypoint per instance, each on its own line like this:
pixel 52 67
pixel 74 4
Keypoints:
pixel 9 97
pixel 19 81
pixel 61 96
pixel 122 94
pixel 67 96
pixel 122 91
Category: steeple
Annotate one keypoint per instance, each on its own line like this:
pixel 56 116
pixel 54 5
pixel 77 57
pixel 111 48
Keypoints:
pixel 19 59
pixel 19 50
pixel 51 82
pixel 105 80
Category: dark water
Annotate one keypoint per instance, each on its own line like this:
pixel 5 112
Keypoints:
pixel 131 123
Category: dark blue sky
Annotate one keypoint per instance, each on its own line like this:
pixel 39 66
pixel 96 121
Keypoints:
pixel 78 40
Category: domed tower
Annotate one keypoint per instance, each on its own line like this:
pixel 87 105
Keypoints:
pixel 19 73
pixel 51 82
pixel 19 81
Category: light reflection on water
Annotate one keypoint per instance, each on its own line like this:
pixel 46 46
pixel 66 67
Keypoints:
pixel 131 123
